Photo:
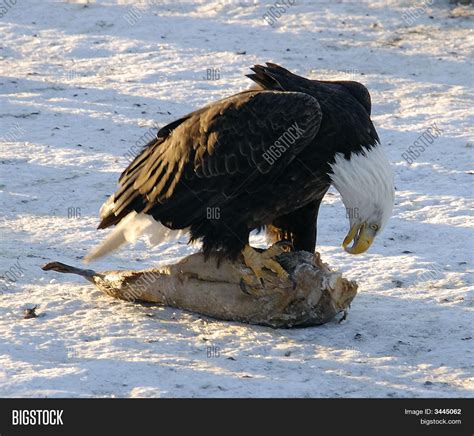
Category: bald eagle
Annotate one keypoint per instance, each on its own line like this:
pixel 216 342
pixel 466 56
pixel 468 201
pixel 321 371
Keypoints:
pixel 260 159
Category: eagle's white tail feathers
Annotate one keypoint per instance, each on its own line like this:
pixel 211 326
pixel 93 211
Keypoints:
pixel 107 207
pixel 129 230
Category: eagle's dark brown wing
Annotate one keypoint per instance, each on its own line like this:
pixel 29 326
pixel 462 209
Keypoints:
pixel 215 153
pixel 274 77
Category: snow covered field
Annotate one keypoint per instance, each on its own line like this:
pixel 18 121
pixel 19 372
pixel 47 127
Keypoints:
pixel 82 82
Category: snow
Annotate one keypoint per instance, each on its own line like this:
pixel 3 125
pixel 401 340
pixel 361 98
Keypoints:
pixel 82 82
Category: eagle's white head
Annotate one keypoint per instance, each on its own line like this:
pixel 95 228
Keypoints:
pixel 365 182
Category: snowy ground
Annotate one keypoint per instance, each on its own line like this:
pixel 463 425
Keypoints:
pixel 82 82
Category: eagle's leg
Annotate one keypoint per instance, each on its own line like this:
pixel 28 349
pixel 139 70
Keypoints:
pixel 257 260
pixel 299 227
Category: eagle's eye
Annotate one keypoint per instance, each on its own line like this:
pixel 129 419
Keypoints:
pixel 374 227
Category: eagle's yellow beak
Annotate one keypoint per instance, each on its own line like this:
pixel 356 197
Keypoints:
pixel 363 237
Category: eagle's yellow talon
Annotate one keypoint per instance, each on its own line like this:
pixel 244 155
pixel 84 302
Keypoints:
pixel 256 261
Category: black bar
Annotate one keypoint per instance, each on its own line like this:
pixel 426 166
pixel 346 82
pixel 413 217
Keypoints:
pixel 169 416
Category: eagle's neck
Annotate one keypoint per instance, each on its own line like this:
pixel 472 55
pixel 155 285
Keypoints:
pixel 365 182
